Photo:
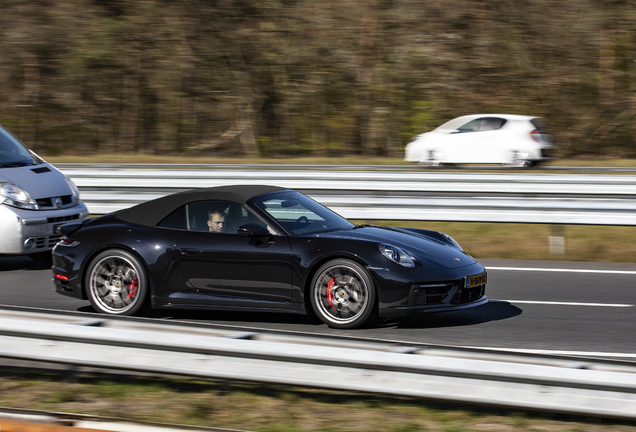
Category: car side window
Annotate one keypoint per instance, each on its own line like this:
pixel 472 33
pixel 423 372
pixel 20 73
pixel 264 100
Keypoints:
pixel 210 216
pixel 175 220
pixel 482 124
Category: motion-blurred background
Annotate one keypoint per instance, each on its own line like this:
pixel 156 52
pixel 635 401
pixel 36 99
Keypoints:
pixel 280 78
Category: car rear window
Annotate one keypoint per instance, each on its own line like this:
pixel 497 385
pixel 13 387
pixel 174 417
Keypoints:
pixel 540 125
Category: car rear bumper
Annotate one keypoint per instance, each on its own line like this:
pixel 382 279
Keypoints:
pixel 545 154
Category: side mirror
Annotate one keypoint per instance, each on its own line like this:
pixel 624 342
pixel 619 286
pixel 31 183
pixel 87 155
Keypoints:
pixel 253 230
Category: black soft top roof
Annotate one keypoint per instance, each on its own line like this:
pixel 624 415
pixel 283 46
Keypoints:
pixel 152 212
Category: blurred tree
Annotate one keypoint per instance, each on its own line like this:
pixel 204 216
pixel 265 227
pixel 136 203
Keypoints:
pixel 320 77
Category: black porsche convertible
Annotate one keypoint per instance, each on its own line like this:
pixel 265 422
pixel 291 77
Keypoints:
pixel 261 248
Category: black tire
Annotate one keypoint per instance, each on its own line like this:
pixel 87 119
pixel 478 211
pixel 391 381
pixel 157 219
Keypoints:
pixel 343 294
pixel 116 283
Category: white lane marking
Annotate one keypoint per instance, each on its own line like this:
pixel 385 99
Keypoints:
pixel 566 303
pixel 567 353
pixel 563 270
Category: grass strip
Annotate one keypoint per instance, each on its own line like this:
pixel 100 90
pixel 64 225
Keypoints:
pixel 532 241
pixel 264 408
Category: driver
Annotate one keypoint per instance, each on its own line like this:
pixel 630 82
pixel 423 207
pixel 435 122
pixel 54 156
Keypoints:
pixel 216 221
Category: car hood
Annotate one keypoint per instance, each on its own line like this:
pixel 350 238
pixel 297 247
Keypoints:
pixel 419 245
pixel 40 181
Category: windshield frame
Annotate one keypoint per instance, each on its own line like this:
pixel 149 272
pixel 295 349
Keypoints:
pixel 330 221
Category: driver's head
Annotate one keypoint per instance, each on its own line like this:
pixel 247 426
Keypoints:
pixel 216 220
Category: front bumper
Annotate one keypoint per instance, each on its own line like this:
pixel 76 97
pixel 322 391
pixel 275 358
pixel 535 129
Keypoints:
pixel 415 292
pixel 31 231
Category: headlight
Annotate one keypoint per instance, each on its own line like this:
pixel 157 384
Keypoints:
pixel 396 255
pixel 74 189
pixel 12 195
pixel 452 241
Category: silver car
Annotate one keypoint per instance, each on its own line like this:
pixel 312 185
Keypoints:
pixel 35 199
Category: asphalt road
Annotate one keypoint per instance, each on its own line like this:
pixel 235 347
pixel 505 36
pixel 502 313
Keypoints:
pixel 547 306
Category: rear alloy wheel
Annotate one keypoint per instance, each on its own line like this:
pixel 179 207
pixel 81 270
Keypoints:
pixel 116 283
pixel 517 161
pixel 343 294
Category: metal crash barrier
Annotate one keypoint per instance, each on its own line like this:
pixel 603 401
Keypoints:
pixel 384 195
pixel 555 384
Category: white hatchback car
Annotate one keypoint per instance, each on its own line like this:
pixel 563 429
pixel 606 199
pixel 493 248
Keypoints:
pixel 513 140
pixel 35 198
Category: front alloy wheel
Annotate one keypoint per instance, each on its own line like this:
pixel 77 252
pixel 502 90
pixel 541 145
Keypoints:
pixel 342 294
pixel 116 283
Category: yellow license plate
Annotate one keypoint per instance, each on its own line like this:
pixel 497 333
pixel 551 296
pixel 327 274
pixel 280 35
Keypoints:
pixel 479 279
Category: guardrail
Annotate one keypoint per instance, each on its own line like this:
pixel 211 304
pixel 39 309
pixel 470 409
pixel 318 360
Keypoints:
pixel 567 385
pixel 385 195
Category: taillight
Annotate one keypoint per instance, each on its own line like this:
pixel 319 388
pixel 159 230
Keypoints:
pixel 67 241
pixel 536 135
pixel 59 276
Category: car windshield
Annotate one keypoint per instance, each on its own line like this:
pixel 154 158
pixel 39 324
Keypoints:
pixel 299 214
pixel 12 152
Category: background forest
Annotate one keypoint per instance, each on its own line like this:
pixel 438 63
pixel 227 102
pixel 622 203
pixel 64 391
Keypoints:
pixel 282 78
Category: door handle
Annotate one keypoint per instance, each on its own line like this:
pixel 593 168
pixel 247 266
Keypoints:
pixel 189 251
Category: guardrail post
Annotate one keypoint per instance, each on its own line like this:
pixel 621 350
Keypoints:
pixel 557 240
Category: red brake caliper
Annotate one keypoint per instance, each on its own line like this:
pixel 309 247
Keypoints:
pixel 330 297
pixel 132 288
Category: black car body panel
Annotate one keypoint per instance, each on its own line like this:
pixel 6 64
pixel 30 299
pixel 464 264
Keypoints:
pixel 195 269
